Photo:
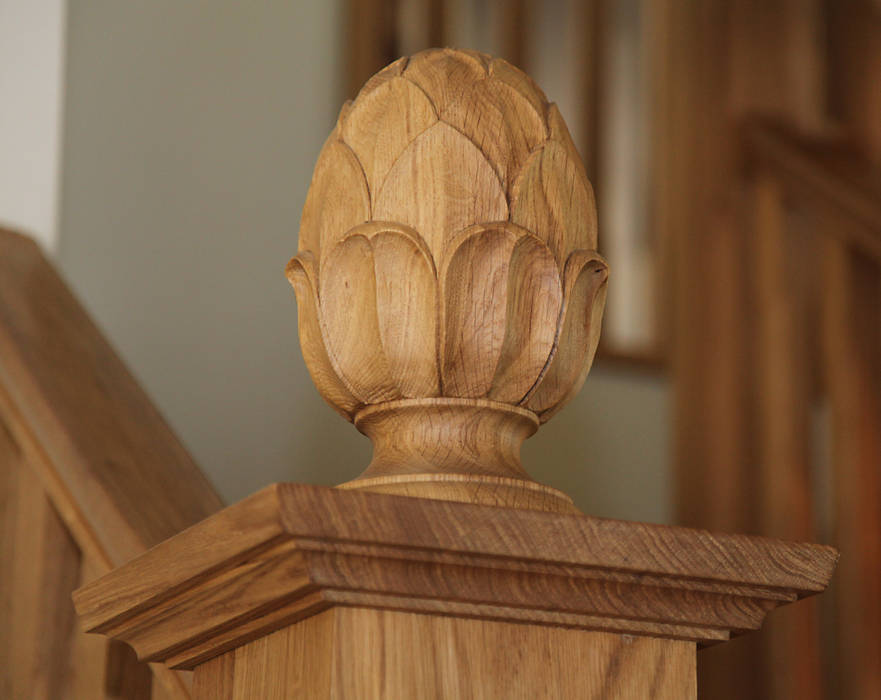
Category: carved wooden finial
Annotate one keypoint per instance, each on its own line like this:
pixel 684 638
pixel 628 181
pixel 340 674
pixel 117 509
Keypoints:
pixel 449 290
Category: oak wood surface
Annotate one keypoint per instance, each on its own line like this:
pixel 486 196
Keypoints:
pixel 373 654
pixel 447 262
pixel 291 551
pixel 433 448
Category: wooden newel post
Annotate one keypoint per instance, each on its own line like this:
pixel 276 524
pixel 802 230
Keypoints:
pixel 450 298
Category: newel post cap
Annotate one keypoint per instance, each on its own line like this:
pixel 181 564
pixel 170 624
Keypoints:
pixel 291 551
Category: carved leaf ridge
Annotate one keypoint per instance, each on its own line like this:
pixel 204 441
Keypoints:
pixel 338 199
pixel 443 74
pixel 553 198
pixel 350 320
pixel 535 298
pixel 301 273
pixel 447 243
pixel 382 123
pixel 458 189
pixel 585 278
pixel 501 304
pixel 406 304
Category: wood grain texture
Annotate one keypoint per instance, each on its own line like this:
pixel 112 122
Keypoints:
pixel 465 449
pixel 306 653
pixel 302 272
pixel 459 189
pixel 447 251
pixel 337 198
pixel 215 678
pixel 291 551
pixel 374 654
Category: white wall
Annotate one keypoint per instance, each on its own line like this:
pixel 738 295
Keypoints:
pixel 191 132
pixel 31 92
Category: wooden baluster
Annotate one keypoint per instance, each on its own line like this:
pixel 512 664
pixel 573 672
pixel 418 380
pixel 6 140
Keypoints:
pixel 851 322
pixel 88 658
pixel 40 565
pixel 101 668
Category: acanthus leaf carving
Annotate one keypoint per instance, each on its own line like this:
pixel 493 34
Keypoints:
pixel 448 279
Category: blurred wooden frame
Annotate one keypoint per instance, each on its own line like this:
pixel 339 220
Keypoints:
pixel 777 313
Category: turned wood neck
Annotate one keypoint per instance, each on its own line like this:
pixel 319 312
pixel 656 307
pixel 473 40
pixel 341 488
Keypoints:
pixel 453 449
pixel 441 435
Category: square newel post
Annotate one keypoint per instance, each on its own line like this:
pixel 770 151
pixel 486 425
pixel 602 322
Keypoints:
pixel 311 592
pixel 450 298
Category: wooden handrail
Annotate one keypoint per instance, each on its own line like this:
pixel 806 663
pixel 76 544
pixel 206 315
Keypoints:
pixel 827 171
pixel 74 416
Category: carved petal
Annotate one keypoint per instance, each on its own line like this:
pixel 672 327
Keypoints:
pixel 475 298
pixel 382 123
pixel 503 71
pixel 535 296
pixel 459 189
pixel 301 274
pixel 500 122
pixel 337 199
pixel 483 59
pixel 350 322
pixel 406 302
pixel 442 74
pixel 585 277
pixel 553 199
